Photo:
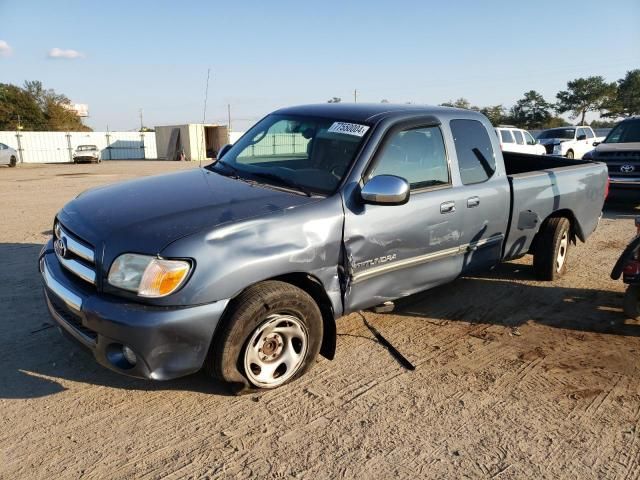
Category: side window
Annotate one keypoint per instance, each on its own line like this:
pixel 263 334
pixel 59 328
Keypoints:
pixel 476 159
pixel 590 133
pixel 519 137
pixel 530 140
pixel 418 155
pixel 2 146
pixel 580 132
pixel 506 137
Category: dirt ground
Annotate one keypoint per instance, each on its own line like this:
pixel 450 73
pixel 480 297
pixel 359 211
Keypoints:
pixel 514 378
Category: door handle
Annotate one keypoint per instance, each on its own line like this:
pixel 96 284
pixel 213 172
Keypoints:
pixel 473 202
pixel 447 207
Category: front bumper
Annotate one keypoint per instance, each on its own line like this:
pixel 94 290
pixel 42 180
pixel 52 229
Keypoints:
pixel 169 342
pixel 624 182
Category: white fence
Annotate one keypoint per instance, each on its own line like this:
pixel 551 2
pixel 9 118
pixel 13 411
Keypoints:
pixel 58 147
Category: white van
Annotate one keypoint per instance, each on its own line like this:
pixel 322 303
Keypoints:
pixel 514 139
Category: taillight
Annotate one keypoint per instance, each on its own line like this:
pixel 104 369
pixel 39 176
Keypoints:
pixel 632 268
pixel 606 189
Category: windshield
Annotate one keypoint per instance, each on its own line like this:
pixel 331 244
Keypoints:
pixel 625 132
pixel 558 133
pixel 86 147
pixel 307 154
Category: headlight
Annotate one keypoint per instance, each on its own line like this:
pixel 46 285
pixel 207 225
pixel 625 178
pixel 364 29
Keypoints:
pixel 557 148
pixel 147 276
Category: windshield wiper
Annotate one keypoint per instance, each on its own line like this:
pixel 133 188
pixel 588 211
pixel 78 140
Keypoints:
pixel 288 182
pixel 234 170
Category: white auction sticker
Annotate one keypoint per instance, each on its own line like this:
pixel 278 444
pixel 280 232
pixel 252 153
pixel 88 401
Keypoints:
pixel 348 128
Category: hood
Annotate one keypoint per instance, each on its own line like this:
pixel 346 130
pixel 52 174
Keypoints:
pixel 550 141
pixel 147 214
pixel 618 147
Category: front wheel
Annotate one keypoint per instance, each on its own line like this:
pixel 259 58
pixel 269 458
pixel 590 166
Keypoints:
pixel 271 335
pixel 552 248
pixel 13 161
pixel 570 154
pixel 632 302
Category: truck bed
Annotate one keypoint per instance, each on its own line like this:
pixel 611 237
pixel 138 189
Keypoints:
pixel 544 185
pixel 516 163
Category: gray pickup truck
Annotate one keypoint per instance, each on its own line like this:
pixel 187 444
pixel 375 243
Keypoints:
pixel 242 267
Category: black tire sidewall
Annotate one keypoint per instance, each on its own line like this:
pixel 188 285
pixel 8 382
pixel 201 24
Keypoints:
pixel 13 162
pixel 548 246
pixel 248 312
pixel 570 154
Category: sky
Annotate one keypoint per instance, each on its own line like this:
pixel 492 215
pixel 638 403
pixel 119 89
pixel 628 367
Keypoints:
pixel 119 57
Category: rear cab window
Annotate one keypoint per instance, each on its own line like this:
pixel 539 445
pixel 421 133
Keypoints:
pixel 476 158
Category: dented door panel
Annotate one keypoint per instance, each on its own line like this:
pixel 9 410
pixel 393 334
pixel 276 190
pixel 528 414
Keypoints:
pixel 394 251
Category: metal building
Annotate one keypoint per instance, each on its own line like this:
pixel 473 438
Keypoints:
pixel 191 142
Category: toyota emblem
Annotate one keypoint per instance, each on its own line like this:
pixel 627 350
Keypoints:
pixel 627 168
pixel 60 247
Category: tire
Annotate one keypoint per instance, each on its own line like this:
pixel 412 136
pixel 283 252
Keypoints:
pixel 552 249
pixel 270 336
pixel 13 161
pixel 570 154
pixel 632 302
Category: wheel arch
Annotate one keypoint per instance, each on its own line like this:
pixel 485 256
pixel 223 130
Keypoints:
pixel 575 230
pixel 315 288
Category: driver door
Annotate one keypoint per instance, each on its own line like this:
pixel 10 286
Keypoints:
pixel 396 250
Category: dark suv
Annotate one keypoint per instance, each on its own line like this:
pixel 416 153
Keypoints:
pixel 621 152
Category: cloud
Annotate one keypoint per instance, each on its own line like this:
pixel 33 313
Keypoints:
pixel 62 53
pixel 5 49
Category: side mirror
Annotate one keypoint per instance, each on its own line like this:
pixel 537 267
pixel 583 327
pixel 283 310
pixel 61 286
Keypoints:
pixel 595 144
pixel 581 137
pixel 224 150
pixel 386 190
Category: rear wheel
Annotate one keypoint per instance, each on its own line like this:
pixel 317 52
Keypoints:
pixel 632 302
pixel 13 161
pixel 552 248
pixel 570 154
pixel 270 336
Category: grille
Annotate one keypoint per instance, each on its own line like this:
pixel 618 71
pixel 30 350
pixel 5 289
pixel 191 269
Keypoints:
pixel 621 164
pixel 74 254
pixel 549 148
pixel 71 318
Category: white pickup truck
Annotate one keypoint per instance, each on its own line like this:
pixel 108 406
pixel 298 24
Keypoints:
pixel 570 142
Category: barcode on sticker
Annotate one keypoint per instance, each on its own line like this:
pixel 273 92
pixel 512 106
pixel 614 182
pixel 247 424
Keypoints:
pixel 348 128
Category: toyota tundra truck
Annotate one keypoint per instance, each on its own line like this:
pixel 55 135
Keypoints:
pixel 242 267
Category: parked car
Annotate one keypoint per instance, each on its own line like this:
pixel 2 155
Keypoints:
pixel 242 267
pixel 514 139
pixel 8 155
pixel 621 152
pixel 86 154
pixel 570 142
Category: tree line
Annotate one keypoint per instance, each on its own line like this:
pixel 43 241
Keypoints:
pixel 34 108
pixel 613 100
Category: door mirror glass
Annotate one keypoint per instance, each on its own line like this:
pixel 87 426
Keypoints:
pixel 386 190
pixel 224 150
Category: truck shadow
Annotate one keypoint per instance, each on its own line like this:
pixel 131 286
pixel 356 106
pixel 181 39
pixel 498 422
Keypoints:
pixel 35 355
pixel 500 298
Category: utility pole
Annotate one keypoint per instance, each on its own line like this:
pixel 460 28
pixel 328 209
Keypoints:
pixel 141 124
pixel 19 126
pixel 229 117
pixel 355 96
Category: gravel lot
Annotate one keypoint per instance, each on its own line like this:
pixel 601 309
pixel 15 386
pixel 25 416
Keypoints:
pixel 515 378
